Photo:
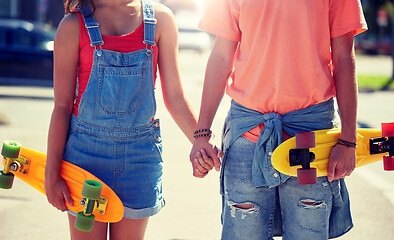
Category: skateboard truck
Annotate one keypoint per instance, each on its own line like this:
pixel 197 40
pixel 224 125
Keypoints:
pixel 301 156
pixel 383 145
pixel 13 162
pixel 99 205
pixel 22 165
pixel 91 192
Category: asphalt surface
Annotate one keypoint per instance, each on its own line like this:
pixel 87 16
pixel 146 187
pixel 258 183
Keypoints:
pixel 193 205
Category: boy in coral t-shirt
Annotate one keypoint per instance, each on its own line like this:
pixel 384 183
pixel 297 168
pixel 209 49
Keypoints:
pixel 287 60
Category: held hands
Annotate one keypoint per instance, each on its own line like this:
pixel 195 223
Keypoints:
pixel 204 156
pixel 57 193
pixel 342 162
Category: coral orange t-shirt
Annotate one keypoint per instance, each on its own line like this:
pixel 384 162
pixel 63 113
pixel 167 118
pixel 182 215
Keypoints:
pixel 283 61
pixel 126 43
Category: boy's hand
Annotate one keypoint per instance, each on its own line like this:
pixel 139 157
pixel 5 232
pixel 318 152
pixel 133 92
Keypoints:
pixel 342 162
pixel 204 156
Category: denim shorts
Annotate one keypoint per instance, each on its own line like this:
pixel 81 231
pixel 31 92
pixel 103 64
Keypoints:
pixel 302 210
pixel 128 161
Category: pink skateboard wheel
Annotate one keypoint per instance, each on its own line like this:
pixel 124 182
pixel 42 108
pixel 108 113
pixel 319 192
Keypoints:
pixel 388 163
pixel 305 140
pixel 306 176
pixel 388 129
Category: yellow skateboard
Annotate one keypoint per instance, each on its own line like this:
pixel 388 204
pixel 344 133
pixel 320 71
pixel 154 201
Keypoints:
pixel 93 199
pixel 306 155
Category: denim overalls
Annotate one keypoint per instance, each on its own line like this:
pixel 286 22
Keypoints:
pixel 114 136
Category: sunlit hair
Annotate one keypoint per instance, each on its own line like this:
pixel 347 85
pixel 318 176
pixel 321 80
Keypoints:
pixel 70 5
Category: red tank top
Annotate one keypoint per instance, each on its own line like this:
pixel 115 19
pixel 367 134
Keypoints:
pixel 125 43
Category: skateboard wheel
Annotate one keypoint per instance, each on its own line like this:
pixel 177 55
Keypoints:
pixel 6 180
pixel 305 140
pixel 388 163
pixel 83 222
pixel 92 189
pixel 388 129
pixel 11 149
pixel 306 176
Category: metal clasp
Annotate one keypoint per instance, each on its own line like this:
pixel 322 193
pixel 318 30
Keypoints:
pixel 99 51
pixel 149 50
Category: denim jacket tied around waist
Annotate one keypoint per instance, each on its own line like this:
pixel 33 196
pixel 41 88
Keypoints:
pixel 241 119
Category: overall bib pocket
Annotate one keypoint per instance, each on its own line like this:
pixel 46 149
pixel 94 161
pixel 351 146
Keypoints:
pixel 120 89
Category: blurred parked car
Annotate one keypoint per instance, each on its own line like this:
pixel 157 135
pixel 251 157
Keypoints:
pixel 26 50
pixel 190 36
pixel 371 45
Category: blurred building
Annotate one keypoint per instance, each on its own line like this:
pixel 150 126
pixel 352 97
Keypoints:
pixel 45 11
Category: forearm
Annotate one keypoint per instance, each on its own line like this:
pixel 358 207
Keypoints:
pixel 347 97
pixel 346 84
pixel 219 68
pixel 216 77
pixel 66 55
pixel 343 159
pixel 57 137
pixel 182 113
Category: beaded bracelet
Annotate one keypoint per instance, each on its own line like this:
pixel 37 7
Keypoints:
pixel 203 135
pixel 203 130
pixel 347 143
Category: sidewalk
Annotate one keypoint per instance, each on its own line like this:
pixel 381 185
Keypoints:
pixel 374 65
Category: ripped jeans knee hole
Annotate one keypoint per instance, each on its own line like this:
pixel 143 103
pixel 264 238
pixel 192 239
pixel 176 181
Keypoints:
pixel 245 209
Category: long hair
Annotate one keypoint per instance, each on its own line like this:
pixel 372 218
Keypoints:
pixel 70 5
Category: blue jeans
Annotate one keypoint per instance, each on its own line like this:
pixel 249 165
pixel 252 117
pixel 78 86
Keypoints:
pixel 304 210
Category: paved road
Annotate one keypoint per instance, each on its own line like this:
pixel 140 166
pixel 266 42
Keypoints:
pixel 192 209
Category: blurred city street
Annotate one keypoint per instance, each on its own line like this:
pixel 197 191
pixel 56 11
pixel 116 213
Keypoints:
pixel 193 205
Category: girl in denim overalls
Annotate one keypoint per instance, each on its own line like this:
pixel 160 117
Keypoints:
pixel 110 129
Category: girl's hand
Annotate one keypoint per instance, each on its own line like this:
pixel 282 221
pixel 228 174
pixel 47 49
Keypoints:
pixel 342 162
pixel 204 156
pixel 57 193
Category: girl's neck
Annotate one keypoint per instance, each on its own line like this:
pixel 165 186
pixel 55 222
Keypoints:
pixel 114 3
pixel 118 17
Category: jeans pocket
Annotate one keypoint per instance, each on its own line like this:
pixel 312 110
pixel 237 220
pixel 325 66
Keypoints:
pixel 336 192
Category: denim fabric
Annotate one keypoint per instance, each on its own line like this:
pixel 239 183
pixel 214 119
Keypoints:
pixel 129 162
pixel 241 119
pixel 300 221
pixel 275 207
pixel 114 136
pixel 91 25
pixel 149 24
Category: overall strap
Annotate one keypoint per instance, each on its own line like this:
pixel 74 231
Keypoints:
pixel 91 25
pixel 149 23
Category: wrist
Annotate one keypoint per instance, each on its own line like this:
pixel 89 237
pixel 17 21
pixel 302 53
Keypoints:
pixel 349 133
pixel 52 178
pixel 203 133
pixel 347 144
pixel 52 173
